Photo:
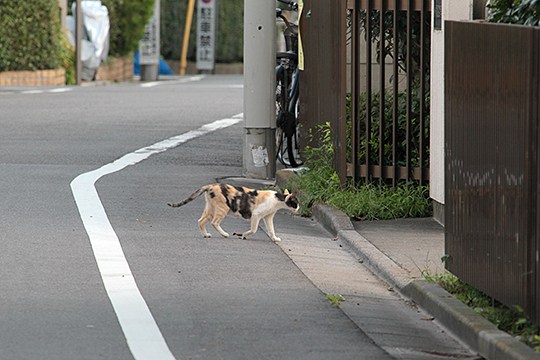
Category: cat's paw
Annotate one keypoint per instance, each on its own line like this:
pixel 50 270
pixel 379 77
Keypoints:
pixel 225 235
pixel 276 239
pixel 240 235
pixel 207 236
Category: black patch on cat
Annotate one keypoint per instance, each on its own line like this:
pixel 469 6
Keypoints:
pixel 281 197
pixel 243 201
pixel 253 193
pixel 239 189
pixel 292 202
pixel 212 194
pixel 225 193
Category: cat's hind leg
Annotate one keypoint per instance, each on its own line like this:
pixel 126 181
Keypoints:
pixel 219 215
pixel 202 224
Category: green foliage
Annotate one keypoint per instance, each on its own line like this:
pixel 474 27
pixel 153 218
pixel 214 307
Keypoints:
pixel 128 19
pixel 67 55
pixel 510 320
pixel 173 21
pixel 320 183
pixel 525 12
pixel 229 32
pixel 335 299
pixel 401 46
pixel 401 129
pixel 30 35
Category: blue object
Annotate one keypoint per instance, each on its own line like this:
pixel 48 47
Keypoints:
pixel 164 68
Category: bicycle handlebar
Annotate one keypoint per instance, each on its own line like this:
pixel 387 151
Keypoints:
pixel 292 5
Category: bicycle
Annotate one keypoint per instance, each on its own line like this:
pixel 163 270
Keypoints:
pixel 287 93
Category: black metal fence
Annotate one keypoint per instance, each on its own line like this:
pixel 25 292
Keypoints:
pixel 492 106
pixel 378 104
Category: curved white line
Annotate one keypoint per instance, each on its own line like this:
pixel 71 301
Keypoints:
pixel 142 334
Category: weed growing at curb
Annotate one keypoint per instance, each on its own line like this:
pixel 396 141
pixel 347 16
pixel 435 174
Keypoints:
pixel 510 320
pixel 335 299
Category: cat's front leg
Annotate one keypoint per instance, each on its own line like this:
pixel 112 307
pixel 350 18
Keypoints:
pixel 269 223
pixel 254 226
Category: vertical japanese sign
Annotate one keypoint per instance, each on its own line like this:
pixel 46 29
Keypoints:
pixel 206 25
pixel 149 45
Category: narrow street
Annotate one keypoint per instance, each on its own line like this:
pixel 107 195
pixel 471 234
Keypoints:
pixel 139 147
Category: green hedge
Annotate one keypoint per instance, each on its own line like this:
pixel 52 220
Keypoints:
pixel 229 34
pixel 128 19
pixel 30 35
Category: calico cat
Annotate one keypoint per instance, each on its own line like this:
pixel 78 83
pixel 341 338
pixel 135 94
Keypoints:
pixel 223 199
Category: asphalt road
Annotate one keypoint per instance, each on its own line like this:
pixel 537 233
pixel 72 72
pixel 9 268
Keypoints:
pixel 172 294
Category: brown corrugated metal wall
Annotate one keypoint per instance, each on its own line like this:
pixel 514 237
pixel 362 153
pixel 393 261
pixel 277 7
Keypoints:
pixel 491 144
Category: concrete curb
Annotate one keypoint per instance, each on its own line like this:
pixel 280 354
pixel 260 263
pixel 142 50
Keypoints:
pixel 481 335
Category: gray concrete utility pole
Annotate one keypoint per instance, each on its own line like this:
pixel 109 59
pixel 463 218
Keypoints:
pixel 259 89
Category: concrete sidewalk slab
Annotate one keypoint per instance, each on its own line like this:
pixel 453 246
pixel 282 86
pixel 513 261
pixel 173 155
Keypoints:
pixel 394 250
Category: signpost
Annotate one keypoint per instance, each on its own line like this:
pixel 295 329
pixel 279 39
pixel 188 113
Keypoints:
pixel 206 35
pixel 149 48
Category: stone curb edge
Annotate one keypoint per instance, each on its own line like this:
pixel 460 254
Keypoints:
pixel 481 335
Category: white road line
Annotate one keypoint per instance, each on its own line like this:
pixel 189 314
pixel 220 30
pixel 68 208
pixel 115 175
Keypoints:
pixel 172 82
pixel 60 90
pixel 140 329
pixel 55 90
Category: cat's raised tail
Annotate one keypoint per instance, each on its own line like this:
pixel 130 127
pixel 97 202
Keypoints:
pixel 192 197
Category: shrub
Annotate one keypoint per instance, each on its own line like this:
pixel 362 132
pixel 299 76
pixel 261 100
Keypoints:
pixel 128 19
pixel 525 12
pixel 30 35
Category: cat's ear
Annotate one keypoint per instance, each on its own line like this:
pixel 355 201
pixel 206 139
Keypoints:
pixel 286 192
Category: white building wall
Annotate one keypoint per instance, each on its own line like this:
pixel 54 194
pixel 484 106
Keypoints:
pixel 451 10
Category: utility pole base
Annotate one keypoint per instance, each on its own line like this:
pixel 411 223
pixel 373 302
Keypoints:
pixel 149 72
pixel 259 153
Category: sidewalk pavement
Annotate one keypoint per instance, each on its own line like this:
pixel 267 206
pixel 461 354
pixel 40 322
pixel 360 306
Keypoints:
pixel 398 251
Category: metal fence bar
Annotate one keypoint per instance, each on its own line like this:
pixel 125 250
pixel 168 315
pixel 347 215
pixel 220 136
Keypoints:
pixel 408 154
pixel 421 139
pixel 382 86
pixel 395 93
pixel 369 57
pixel 355 91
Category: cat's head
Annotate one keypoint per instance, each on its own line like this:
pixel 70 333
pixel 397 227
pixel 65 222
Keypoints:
pixel 291 201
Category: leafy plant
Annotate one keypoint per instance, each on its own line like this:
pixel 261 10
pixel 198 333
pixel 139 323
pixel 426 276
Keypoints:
pixel 525 12
pixel 405 124
pixel 387 38
pixel 30 35
pixel 335 299
pixel 510 320
pixel 68 61
pixel 320 183
pixel 127 19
